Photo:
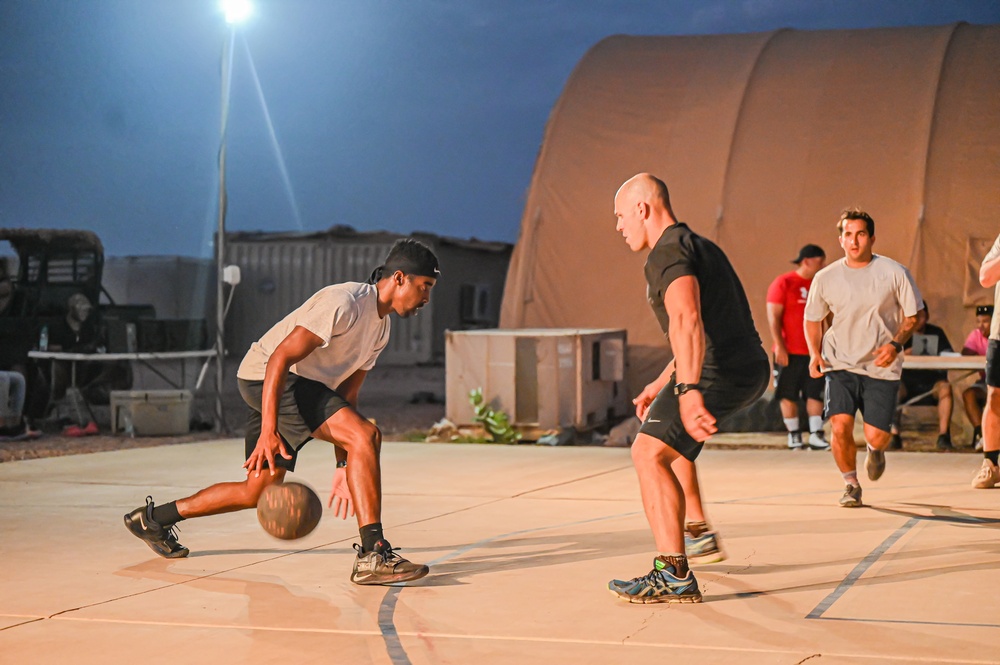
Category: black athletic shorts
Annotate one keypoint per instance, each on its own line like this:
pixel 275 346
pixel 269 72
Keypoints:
pixel 992 364
pixel 846 392
pixel 794 383
pixel 724 390
pixel 305 405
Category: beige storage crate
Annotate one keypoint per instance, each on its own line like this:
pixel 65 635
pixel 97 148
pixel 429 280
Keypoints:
pixel 151 412
pixel 544 378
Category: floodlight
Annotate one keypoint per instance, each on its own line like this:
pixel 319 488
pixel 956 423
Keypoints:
pixel 236 11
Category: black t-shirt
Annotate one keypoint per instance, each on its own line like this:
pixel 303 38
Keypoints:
pixel 66 339
pixel 730 333
pixel 927 376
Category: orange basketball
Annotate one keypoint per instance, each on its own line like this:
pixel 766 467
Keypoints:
pixel 289 510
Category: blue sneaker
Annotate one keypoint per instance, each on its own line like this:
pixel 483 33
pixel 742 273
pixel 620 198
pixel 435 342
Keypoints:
pixel 704 548
pixel 661 585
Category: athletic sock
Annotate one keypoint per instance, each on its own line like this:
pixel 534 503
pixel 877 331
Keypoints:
pixel 678 561
pixel 792 425
pixel 992 456
pixel 166 515
pixel 370 537
pixel 696 528
pixel 815 423
pixel 851 478
pixel 977 432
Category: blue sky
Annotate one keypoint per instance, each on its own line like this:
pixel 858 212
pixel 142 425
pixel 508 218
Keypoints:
pixel 418 115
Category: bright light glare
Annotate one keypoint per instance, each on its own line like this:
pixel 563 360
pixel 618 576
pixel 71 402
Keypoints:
pixel 236 10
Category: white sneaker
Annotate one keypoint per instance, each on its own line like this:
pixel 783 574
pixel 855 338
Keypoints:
pixel 987 477
pixel 795 441
pixel 979 445
pixel 817 441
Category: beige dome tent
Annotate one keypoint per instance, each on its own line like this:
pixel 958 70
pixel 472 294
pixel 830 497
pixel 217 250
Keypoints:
pixel 763 139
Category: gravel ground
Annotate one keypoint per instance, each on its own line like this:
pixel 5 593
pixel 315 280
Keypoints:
pixel 402 400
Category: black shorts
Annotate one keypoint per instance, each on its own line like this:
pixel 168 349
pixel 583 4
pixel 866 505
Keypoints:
pixel 724 390
pixel 846 392
pixel 794 383
pixel 992 364
pixel 304 406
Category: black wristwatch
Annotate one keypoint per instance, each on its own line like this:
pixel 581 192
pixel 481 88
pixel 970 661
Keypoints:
pixel 896 345
pixel 681 388
pixel 341 464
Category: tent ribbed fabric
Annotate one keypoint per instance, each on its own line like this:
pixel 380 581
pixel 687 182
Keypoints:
pixel 763 139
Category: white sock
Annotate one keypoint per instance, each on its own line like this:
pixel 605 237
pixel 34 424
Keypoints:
pixel 815 423
pixel 851 478
pixel 792 424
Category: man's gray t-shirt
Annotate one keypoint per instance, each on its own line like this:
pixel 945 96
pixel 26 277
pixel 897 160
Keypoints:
pixel 345 316
pixel 868 306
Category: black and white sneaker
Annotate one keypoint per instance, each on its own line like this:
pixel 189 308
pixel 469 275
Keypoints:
pixel 384 566
pixel 795 440
pixel 162 540
pixel 817 441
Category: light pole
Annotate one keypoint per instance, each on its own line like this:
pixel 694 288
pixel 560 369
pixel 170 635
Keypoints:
pixel 235 11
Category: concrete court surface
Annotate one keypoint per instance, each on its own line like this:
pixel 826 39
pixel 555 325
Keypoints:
pixel 522 541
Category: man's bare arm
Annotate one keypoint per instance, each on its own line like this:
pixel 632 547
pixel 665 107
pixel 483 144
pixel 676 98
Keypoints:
pixel 989 272
pixel 775 312
pixel 687 338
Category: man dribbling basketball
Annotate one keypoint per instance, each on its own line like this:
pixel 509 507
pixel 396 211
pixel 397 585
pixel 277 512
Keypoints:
pixel 301 381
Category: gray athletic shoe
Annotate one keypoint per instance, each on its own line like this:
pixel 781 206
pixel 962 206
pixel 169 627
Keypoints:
pixel 875 464
pixel 852 497
pixel 704 548
pixel 384 567
pixel 162 540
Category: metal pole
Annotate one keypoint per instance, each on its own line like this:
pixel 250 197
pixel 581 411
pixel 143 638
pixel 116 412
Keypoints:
pixel 220 238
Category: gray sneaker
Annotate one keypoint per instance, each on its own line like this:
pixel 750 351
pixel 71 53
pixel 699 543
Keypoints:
pixel 162 540
pixel 384 567
pixel 852 497
pixel 875 464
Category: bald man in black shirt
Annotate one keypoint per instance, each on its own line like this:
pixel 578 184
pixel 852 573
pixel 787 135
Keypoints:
pixel 719 366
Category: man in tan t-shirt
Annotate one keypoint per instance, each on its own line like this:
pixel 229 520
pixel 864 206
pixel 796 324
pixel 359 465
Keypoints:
pixel 301 381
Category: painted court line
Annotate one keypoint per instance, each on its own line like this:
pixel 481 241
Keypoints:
pixel 386 624
pixel 860 569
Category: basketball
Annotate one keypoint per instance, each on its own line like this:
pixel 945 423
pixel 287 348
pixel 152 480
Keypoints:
pixel 289 510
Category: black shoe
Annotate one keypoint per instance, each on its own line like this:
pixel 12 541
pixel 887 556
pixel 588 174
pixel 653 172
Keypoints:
pixel 896 442
pixel 944 442
pixel 161 540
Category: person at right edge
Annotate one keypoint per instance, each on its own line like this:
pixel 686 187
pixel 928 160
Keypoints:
pixel 989 475
pixel 874 308
pixel 719 366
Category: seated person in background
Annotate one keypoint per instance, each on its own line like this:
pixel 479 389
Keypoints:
pixel 13 425
pixel 974 397
pixel 79 333
pixel 927 340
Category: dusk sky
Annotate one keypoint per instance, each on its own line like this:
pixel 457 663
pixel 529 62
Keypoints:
pixel 408 115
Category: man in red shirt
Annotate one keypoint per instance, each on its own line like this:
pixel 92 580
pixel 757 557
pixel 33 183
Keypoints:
pixel 786 303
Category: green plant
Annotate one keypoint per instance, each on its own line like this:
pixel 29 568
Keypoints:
pixel 496 423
